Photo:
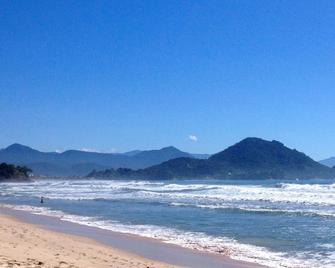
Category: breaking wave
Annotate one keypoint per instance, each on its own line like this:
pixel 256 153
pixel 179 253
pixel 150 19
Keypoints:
pixel 197 240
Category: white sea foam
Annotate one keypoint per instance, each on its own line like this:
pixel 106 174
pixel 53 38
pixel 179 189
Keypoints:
pixel 198 241
pixel 307 212
pixel 106 189
pixel 309 199
pixel 291 198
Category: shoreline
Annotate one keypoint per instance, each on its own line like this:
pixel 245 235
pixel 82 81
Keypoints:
pixel 29 246
pixel 148 249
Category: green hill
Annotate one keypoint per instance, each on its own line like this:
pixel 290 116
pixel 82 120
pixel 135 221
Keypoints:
pixel 251 158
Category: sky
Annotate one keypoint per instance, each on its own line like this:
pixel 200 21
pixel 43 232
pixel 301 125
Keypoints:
pixel 115 76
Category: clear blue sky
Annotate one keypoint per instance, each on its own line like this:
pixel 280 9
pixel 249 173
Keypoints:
pixel 129 75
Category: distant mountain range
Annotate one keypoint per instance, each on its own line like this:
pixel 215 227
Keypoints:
pixel 329 162
pixel 251 158
pixel 79 163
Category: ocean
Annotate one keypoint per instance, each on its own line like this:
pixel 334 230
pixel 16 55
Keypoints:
pixel 276 223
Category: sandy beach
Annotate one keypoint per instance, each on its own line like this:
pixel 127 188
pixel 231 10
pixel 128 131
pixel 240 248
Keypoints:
pixel 28 240
pixel 27 245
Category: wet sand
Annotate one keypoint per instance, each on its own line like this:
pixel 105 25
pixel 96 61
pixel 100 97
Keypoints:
pixel 25 236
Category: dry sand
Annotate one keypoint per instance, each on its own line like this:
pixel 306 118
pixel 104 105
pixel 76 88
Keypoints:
pixel 26 245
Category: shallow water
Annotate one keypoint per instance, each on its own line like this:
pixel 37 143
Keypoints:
pixel 276 223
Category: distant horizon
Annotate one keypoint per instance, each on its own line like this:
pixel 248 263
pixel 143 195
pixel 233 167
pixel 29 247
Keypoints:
pixel 90 150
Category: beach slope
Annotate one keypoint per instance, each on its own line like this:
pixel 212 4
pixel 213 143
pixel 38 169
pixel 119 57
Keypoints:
pixel 27 245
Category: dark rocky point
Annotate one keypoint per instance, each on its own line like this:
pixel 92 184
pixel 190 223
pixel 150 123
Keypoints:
pixel 12 172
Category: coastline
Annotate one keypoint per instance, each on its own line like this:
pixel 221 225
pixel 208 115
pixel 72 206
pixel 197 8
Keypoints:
pixel 111 249
pixel 27 245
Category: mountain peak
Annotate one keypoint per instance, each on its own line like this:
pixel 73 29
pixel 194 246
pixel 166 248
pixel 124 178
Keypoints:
pixel 256 140
pixel 256 152
pixel 170 148
pixel 16 147
pixel 329 162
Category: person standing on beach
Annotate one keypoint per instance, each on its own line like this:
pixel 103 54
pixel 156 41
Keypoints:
pixel 42 199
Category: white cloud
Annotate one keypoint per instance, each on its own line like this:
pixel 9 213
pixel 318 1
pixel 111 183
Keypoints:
pixel 193 138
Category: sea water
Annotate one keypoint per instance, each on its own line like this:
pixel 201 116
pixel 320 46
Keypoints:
pixel 276 223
